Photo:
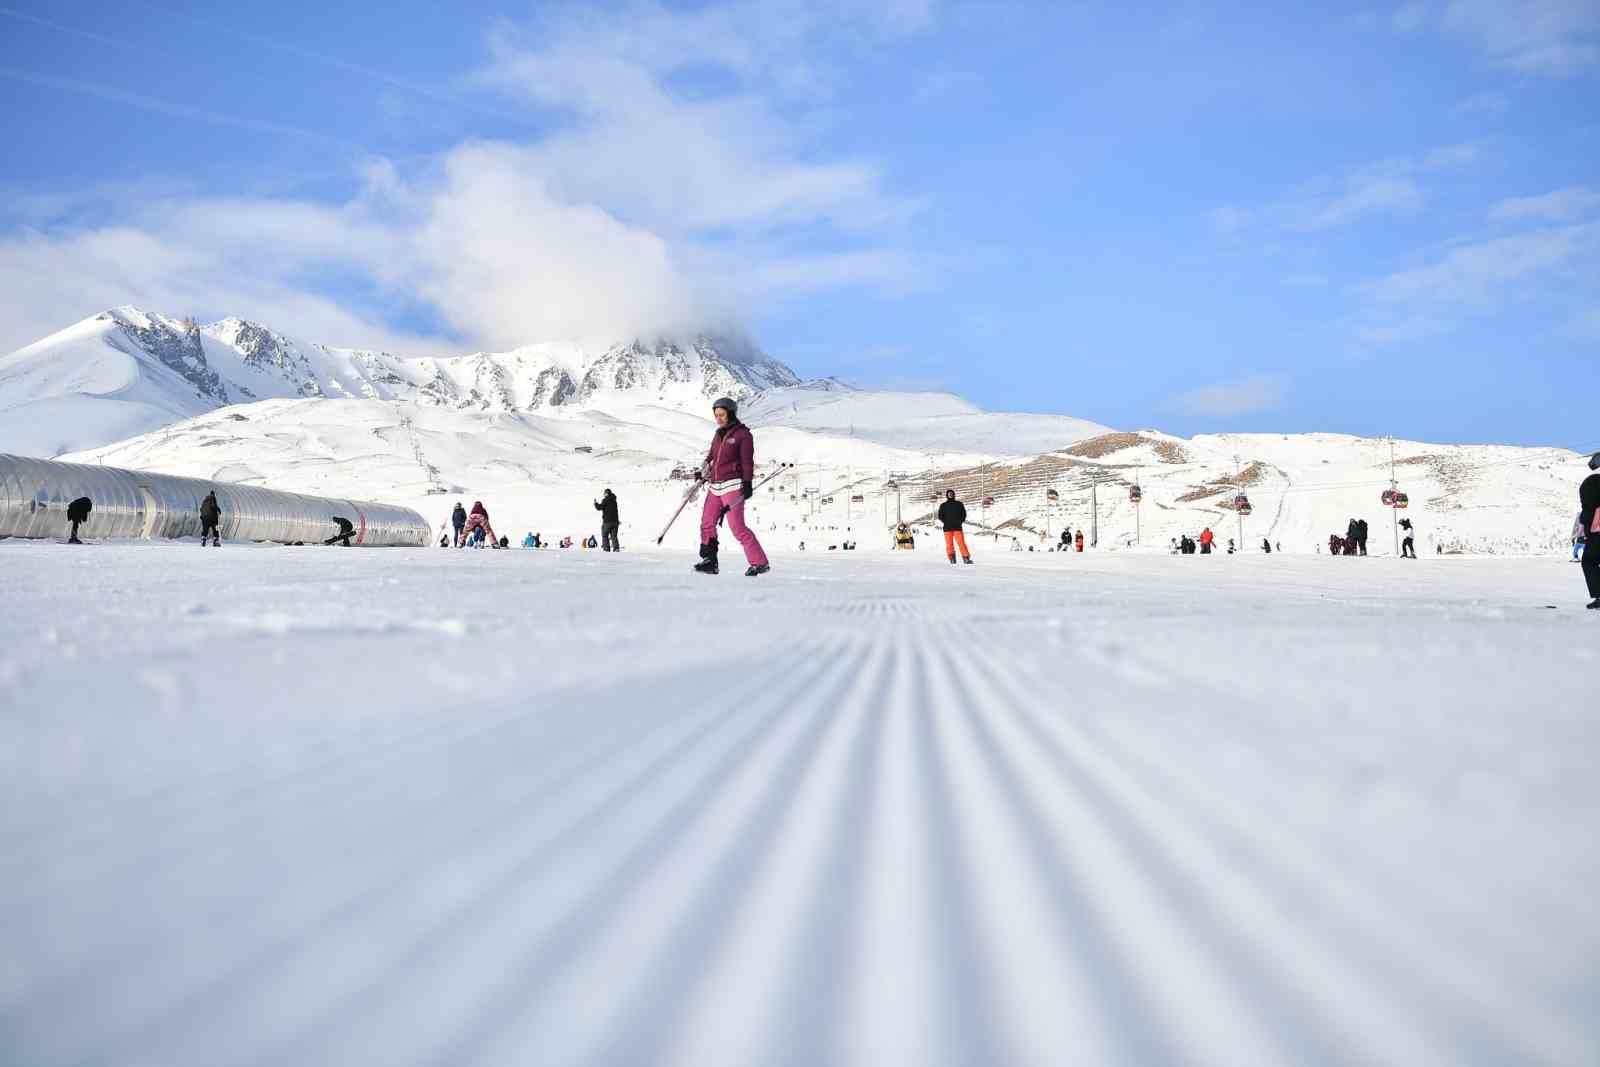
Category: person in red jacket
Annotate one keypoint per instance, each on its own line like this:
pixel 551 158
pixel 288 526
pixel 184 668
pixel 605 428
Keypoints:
pixel 1207 538
pixel 730 474
pixel 478 520
pixel 1079 543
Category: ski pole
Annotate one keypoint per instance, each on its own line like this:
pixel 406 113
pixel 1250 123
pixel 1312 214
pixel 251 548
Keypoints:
pixel 781 468
pixel 694 491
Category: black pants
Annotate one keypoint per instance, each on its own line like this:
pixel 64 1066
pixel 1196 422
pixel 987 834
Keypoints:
pixel 1408 547
pixel 72 538
pixel 458 530
pixel 608 537
pixel 209 529
pixel 1591 564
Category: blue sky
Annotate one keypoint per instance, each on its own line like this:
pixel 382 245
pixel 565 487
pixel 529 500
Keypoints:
pixel 1372 219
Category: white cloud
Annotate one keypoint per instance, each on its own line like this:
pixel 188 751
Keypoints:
pixel 1484 272
pixel 1556 37
pixel 1385 187
pixel 660 199
pixel 53 281
pixel 1229 399
pixel 1562 205
pixel 1416 328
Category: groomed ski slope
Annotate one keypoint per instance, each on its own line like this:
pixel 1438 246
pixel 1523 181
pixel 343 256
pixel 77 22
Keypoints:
pixel 291 806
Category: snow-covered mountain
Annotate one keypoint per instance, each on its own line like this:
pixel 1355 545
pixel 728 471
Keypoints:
pixel 128 371
pixel 537 431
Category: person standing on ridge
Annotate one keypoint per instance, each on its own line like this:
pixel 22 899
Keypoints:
pixel 458 519
pixel 210 519
pixel 952 516
pixel 729 472
pixel 1589 518
pixel 609 523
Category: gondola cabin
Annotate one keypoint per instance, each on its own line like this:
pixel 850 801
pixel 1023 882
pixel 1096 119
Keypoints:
pixel 1135 494
pixel 1051 495
pixel 1241 504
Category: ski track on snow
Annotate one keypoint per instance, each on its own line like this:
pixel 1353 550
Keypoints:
pixel 539 807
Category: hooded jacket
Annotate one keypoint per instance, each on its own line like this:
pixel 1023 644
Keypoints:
pixel 731 457
pixel 608 509
pixel 210 512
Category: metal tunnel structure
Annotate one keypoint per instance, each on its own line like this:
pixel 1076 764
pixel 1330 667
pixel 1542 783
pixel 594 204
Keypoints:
pixel 34 494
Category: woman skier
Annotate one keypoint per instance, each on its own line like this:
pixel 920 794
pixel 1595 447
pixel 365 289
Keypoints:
pixel 729 472
pixel 479 520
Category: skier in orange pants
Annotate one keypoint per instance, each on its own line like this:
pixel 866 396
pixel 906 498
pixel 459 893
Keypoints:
pixel 952 514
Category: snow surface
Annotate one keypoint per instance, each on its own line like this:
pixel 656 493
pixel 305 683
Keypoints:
pixel 266 805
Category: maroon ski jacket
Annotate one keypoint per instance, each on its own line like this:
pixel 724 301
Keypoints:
pixel 732 457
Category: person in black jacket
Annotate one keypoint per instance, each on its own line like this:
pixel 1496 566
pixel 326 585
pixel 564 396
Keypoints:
pixel 458 519
pixel 952 515
pixel 210 518
pixel 1589 519
pixel 346 530
pixel 78 514
pixel 609 523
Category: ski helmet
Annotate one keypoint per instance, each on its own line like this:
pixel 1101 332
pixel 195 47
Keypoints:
pixel 728 404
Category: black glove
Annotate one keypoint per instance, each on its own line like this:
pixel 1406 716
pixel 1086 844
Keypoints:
pixel 747 490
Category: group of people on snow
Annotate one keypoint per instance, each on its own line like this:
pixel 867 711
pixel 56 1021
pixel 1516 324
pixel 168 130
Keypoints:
pixel 728 474
pixel 472 530
pixel 1189 546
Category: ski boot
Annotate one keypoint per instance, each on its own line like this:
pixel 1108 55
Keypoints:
pixel 1594 605
pixel 967 560
pixel 952 557
pixel 708 558
pixel 755 569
